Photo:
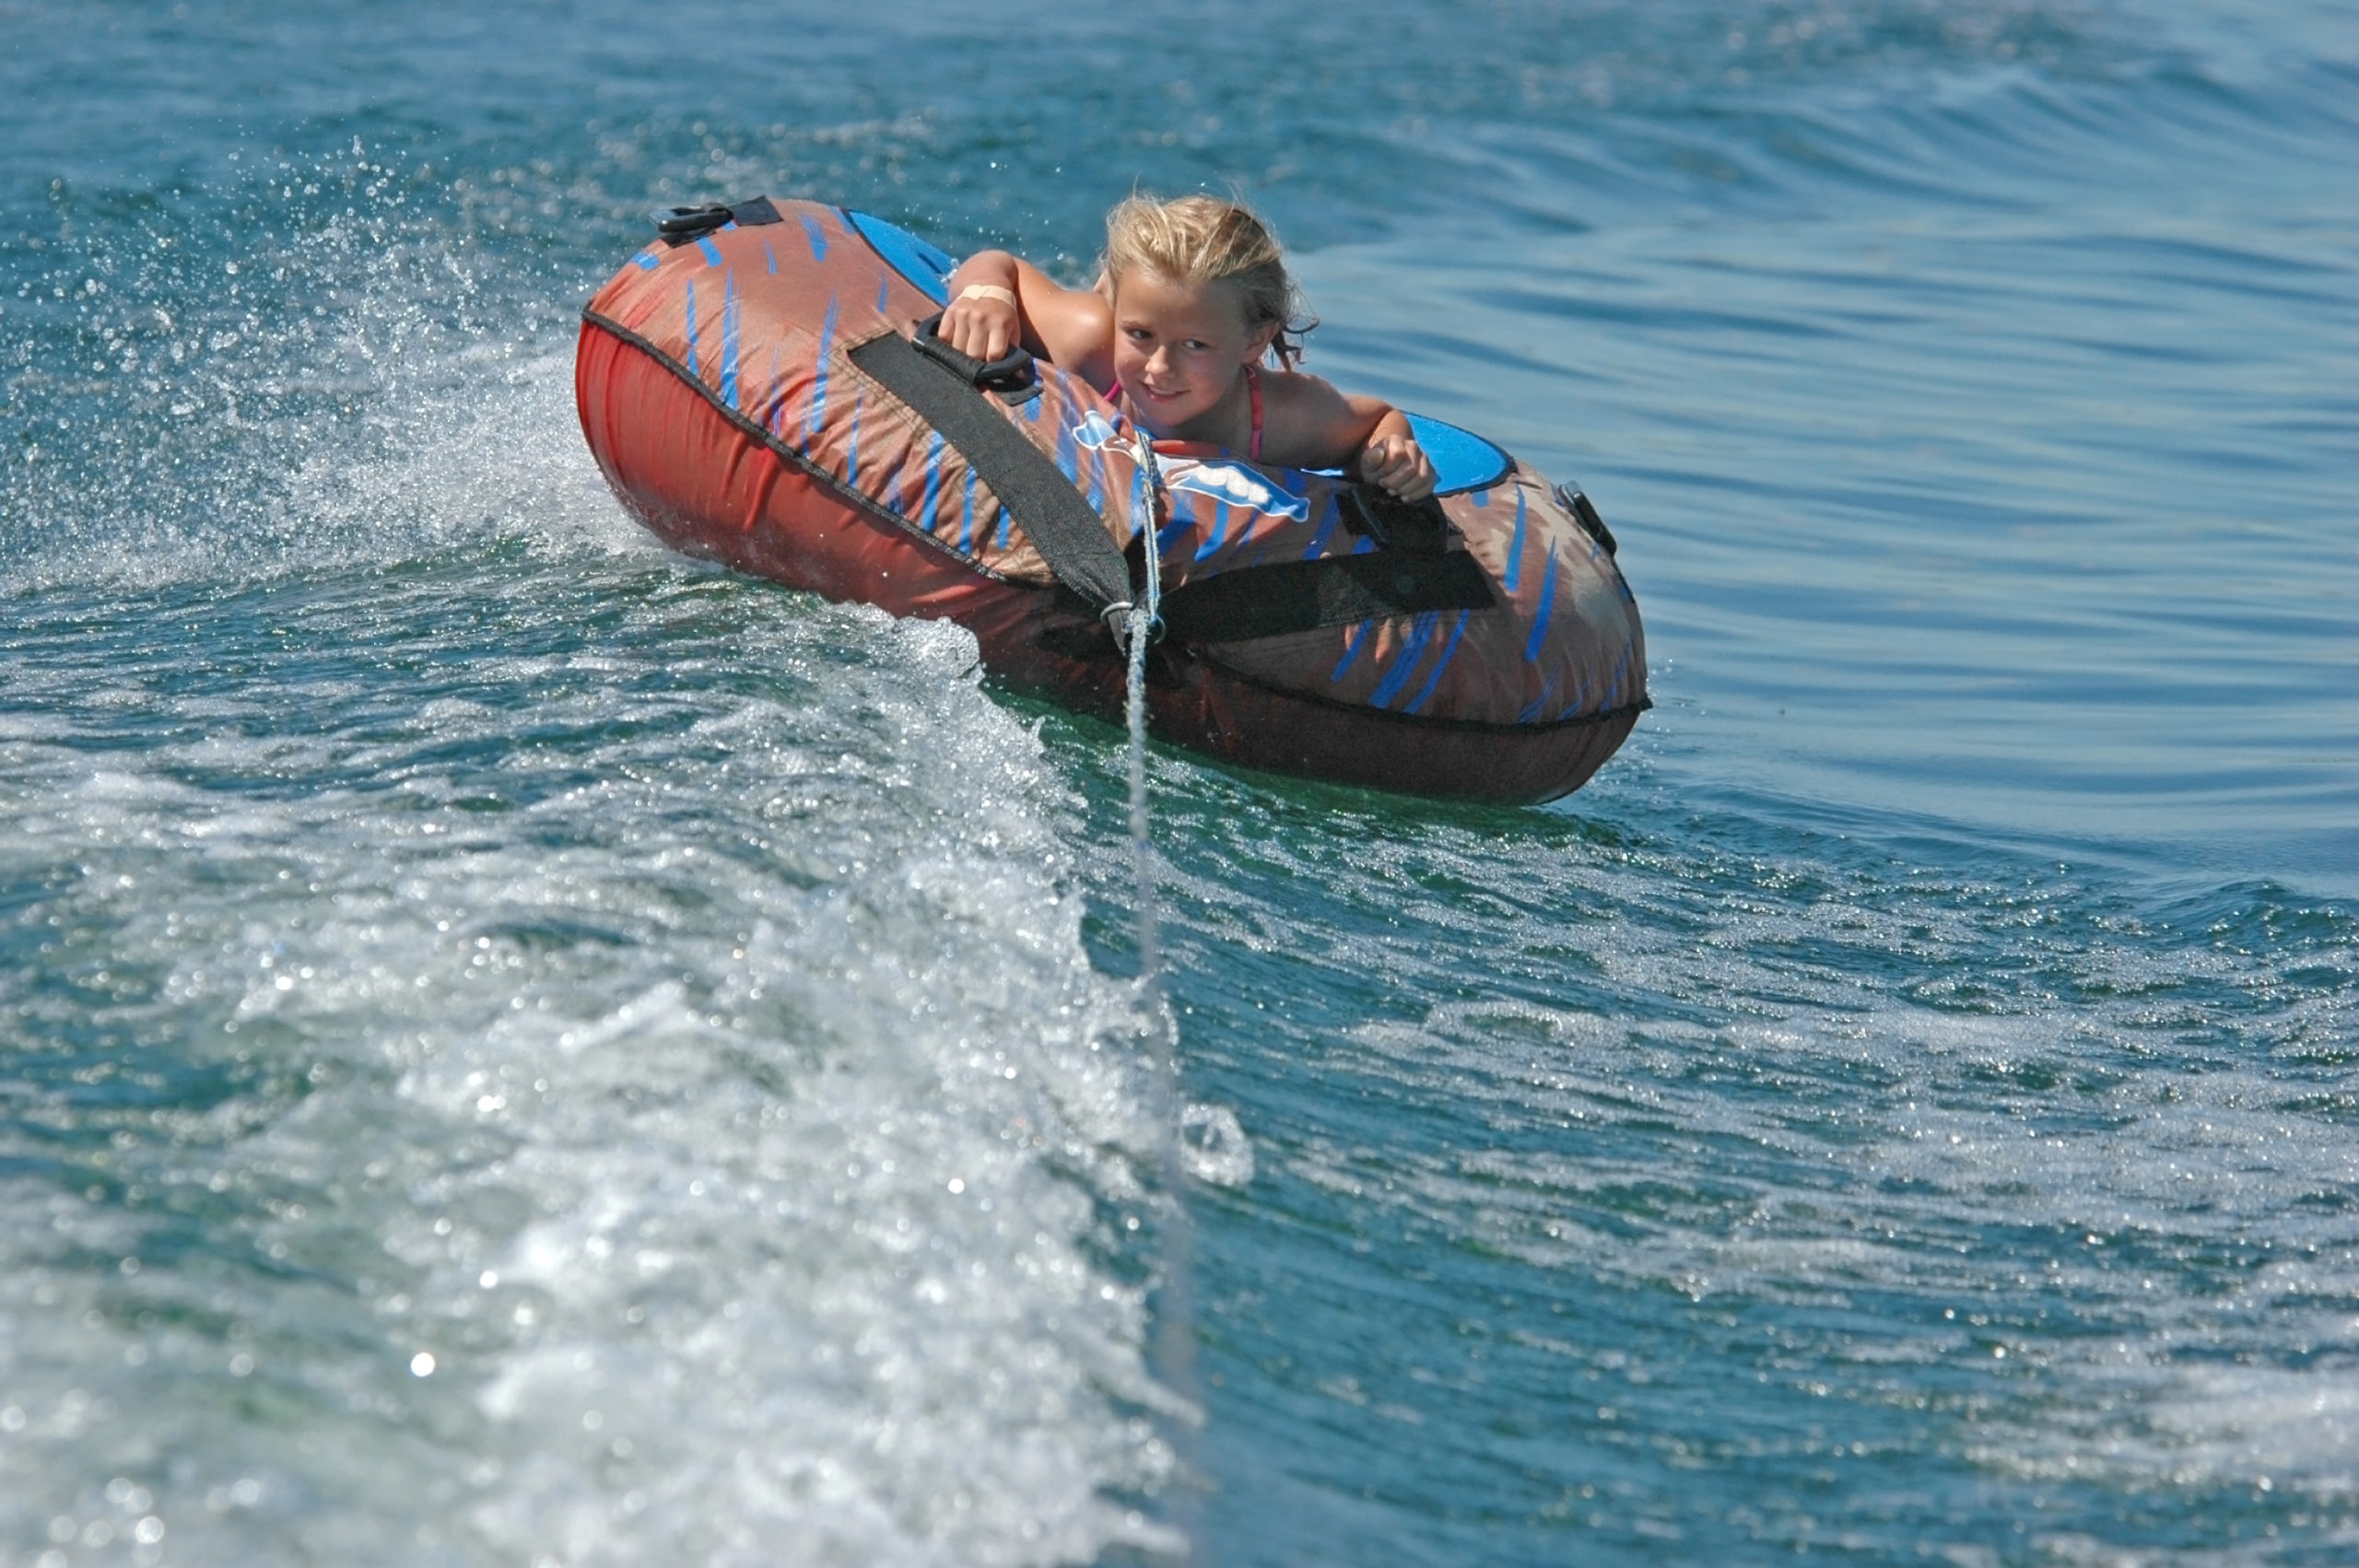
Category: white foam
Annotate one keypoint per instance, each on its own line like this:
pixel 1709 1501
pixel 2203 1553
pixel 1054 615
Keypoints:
pixel 695 1137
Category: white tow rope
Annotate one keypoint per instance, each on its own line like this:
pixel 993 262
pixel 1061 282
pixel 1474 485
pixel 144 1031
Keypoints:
pixel 1175 1347
pixel 1143 624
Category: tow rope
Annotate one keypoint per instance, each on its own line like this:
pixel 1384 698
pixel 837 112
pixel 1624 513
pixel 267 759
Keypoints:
pixel 1140 625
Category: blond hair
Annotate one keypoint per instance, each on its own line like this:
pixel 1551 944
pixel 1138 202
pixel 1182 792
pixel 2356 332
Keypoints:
pixel 1195 241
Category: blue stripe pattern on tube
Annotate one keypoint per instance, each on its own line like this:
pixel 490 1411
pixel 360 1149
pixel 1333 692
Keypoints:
pixel 819 387
pixel 1547 607
pixel 1531 709
pixel 818 238
pixel 933 483
pixel 1515 550
pixel 852 447
pixel 729 339
pixel 1621 666
pixel 770 256
pixel 711 252
pixel 1327 520
pixel 1580 699
pixel 884 294
pixel 967 515
pixel 1449 653
pixel 645 261
pixel 1421 632
pixel 1351 645
pixel 1219 534
pixel 1183 518
pixel 691 312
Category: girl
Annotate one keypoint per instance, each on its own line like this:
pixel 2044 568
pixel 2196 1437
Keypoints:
pixel 1192 296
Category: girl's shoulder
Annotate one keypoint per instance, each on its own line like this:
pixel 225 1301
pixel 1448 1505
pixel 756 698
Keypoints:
pixel 1298 392
pixel 1307 423
pixel 1076 326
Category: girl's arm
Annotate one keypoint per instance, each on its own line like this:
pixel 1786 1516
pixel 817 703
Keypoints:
pixel 1308 424
pixel 1068 327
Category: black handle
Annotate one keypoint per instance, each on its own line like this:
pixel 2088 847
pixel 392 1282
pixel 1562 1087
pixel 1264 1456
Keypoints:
pixel 1569 496
pixel 1012 376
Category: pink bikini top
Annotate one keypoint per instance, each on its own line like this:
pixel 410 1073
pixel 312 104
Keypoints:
pixel 1252 388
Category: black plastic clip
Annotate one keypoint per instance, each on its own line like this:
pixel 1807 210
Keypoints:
pixel 1012 377
pixel 1570 497
pixel 679 226
pixel 683 226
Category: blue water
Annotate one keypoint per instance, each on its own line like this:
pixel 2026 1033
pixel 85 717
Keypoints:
pixel 517 1047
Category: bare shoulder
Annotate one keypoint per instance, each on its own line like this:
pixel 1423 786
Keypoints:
pixel 1297 389
pixel 1308 423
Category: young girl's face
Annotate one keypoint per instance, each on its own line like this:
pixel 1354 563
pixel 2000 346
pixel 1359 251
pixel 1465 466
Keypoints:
pixel 1177 348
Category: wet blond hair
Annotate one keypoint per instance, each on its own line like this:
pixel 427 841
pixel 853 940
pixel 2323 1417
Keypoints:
pixel 1194 241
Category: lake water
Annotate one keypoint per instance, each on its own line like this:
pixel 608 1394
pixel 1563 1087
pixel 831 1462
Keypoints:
pixel 518 1047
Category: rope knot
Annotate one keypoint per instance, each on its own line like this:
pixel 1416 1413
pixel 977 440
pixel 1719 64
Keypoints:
pixel 1117 618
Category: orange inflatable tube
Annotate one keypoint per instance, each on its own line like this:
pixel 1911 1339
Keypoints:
pixel 751 389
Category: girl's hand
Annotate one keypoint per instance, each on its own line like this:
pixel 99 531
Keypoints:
pixel 1072 328
pixel 981 328
pixel 1398 464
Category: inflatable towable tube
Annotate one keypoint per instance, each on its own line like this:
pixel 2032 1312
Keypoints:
pixel 754 392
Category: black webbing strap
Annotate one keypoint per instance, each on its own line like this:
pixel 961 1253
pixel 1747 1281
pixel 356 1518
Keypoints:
pixel 1070 536
pixel 1334 590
